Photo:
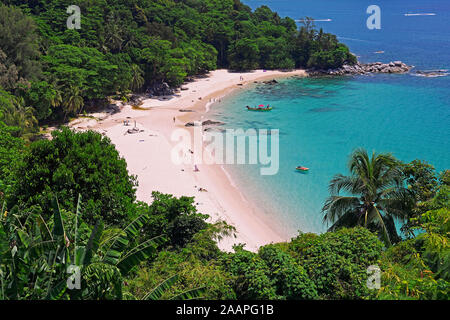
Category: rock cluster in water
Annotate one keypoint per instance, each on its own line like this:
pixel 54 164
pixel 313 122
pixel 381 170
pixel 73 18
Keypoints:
pixel 365 68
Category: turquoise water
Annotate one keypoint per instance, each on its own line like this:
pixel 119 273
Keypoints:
pixel 321 121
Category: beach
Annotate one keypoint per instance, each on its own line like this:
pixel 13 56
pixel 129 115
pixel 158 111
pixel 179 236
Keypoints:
pixel 148 154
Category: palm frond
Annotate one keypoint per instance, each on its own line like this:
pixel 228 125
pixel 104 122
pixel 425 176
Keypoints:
pixel 157 292
pixel 336 206
pixel 347 220
pixel 93 243
pixel 190 294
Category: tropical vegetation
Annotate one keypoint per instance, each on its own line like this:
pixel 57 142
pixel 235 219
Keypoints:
pixel 49 72
pixel 70 224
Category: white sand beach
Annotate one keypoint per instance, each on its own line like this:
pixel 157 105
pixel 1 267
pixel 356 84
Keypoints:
pixel 148 154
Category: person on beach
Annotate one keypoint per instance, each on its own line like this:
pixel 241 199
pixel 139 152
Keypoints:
pixel 173 119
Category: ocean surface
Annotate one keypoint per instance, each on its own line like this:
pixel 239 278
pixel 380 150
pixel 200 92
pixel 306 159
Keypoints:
pixel 322 120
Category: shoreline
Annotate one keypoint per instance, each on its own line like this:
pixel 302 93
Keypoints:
pixel 155 170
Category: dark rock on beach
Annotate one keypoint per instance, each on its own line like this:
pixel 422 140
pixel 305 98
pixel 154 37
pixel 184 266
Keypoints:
pixel 204 123
pixel 271 82
pixel 160 89
pixel 365 68
pixel 212 123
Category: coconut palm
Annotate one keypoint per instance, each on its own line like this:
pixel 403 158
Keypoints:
pixel 137 81
pixel 73 101
pixel 374 195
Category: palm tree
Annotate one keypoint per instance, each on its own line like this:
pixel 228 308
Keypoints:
pixel 137 81
pixel 374 195
pixel 73 100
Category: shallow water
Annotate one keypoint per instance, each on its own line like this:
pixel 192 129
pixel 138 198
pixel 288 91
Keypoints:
pixel 322 120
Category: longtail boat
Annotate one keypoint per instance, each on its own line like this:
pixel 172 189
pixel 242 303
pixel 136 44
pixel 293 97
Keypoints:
pixel 300 168
pixel 259 108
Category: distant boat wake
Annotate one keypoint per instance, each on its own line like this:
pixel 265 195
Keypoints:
pixel 352 39
pixel 419 14
pixel 315 20
pixel 431 73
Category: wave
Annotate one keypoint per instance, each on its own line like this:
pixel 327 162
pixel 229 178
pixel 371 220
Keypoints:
pixel 315 20
pixel 353 39
pixel 431 73
pixel 419 14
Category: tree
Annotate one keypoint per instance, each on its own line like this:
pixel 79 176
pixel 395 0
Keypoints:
pixel 137 81
pixel 43 97
pixel 19 51
pixel 419 268
pixel 291 279
pixel 73 102
pixel 14 113
pixel 337 261
pixel 76 163
pixel 11 149
pixel 376 195
pixel 252 274
pixel 244 55
pixel 421 179
pixel 81 74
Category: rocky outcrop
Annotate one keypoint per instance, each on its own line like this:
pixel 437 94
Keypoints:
pixel 365 68
pixel 160 89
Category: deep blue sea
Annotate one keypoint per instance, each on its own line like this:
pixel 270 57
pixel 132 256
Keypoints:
pixel 322 120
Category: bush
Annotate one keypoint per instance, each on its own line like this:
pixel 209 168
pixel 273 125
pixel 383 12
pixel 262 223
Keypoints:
pixel 291 280
pixel 337 262
pixel 76 163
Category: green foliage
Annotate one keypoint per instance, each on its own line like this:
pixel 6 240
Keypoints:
pixel 419 268
pixel 291 280
pixel 190 272
pixel 184 227
pixel 43 97
pixel 337 261
pixel 11 149
pixel 76 163
pixel 421 179
pixel 34 260
pixel 374 195
pixel 130 45
pixel 14 114
pixel 19 50
pixel 252 274
pixel 244 55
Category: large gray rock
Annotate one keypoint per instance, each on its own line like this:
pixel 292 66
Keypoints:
pixel 160 89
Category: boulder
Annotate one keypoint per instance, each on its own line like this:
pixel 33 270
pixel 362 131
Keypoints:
pixel 160 89
pixel 212 123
